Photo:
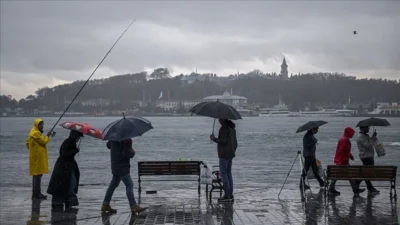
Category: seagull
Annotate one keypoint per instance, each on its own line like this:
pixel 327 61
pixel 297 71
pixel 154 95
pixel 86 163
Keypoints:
pixel 354 32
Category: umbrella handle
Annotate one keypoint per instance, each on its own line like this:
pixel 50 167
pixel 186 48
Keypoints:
pixel 212 131
pixel 79 143
pixel 213 127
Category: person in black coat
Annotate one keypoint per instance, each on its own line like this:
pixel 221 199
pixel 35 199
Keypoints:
pixel 227 145
pixel 64 180
pixel 309 149
pixel 121 153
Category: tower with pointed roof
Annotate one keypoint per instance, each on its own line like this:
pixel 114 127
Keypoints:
pixel 284 70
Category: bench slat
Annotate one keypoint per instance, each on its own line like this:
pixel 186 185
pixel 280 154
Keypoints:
pixel 168 168
pixel 374 173
pixel 358 178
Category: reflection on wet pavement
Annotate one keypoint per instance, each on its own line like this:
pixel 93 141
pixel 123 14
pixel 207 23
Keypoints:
pixel 251 206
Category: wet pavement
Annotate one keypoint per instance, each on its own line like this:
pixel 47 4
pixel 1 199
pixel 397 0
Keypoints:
pixel 180 206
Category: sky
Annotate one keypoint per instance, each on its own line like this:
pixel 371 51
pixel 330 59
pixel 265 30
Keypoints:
pixel 47 43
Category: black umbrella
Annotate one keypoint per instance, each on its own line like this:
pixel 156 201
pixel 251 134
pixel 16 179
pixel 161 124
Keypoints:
pixel 127 127
pixel 310 125
pixel 373 122
pixel 216 110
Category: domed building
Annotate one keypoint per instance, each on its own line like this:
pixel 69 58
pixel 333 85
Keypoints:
pixel 228 98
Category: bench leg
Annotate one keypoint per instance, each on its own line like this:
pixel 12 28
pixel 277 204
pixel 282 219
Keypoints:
pixel 391 189
pixel 199 188
pixel 140 188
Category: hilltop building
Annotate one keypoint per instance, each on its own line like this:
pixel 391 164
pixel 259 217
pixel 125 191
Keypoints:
pixel 228 98
pixel 284 70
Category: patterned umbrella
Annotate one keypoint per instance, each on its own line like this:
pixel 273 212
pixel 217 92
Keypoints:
pixel 84 128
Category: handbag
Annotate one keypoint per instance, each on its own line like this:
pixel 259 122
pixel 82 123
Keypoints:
pixel 206 176
pixel 379 149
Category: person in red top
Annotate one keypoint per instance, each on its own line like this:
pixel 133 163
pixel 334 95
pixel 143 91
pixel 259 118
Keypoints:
pixel 342 157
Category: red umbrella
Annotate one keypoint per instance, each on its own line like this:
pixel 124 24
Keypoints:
pixel 84 128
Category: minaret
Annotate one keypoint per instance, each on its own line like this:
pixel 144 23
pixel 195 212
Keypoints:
pixel 349 99
pixel 284 71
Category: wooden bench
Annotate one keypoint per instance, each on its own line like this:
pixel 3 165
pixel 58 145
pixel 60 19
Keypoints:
pixel 360 173
pixel 168 168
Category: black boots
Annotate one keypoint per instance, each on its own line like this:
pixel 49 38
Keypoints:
pixel 39 196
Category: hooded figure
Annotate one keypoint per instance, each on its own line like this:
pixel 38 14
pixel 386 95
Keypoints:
pixel 64 181
pixel 227 145
pixel 343 149
pixel 38 159
pixel 342 157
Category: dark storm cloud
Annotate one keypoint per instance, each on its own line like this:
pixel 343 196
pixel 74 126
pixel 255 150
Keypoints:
pixel 46 43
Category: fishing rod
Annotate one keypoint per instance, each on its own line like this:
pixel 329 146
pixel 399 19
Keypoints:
pixel 83 86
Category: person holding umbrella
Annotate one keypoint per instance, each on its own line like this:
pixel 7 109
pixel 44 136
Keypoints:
pixel 365 145
pixel 227 142
pixel 64 181
pixel 227 145
pixel 119 134
pixel 309 149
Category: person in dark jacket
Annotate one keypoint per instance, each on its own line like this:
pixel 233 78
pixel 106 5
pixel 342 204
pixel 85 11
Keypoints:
pixel 309 148
pixel 342 157
pixel 121 153
pixel 227 145
pixel 64 180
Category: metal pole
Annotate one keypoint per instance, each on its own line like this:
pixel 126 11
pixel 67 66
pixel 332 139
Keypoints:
pixel 294 161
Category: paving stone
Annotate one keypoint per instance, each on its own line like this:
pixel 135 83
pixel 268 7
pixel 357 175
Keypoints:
pixel 251 207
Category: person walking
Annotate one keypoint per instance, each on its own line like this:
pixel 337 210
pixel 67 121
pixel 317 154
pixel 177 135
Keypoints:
pixel 36 144
pixel 365 145
pixel 227 145
pixel 342 157
pixel 309 149
pixel 120 154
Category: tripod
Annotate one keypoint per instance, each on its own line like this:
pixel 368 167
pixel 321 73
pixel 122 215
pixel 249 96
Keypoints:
pixel 303 197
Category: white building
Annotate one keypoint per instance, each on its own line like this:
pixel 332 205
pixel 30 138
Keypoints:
pixel 228 98
pixel 173 105
pixel 96 102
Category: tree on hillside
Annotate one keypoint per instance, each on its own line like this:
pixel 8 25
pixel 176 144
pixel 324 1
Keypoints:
pixel 30 97
pixel 315 88
pixel 160 73
pixel 7 101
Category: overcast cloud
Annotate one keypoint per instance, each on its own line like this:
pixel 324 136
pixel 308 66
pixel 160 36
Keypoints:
pixel 47 43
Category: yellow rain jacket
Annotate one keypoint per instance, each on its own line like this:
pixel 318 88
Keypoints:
pixel 36 144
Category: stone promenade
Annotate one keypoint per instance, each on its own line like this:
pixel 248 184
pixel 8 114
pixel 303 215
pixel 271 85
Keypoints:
pixel 251 206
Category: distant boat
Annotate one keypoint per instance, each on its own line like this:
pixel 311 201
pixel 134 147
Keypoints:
pixel 278 110
pixel 244 112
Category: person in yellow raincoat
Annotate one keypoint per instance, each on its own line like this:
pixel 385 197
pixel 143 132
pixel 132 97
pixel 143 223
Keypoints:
pixel 38 160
